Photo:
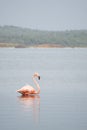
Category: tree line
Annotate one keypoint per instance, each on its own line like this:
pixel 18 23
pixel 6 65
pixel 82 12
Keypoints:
pixel 24 37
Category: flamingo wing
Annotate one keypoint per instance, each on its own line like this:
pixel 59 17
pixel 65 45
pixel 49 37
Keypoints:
pixel 26 90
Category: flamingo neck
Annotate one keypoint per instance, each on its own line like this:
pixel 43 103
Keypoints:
pixel 37 85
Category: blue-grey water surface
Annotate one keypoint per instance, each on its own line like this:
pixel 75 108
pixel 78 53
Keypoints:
pixel 62 103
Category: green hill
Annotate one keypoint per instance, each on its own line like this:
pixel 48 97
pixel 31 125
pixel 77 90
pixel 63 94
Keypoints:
pixel 11 36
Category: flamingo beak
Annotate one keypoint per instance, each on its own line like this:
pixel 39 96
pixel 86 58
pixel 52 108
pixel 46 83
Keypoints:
pixel 39 77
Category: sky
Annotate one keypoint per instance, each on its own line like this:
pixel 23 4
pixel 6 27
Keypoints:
pixel 44 14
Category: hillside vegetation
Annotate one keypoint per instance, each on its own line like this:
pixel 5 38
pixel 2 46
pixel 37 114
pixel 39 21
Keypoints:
pixel 11 36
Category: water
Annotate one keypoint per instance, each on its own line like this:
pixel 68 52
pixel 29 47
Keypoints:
pixel 62 103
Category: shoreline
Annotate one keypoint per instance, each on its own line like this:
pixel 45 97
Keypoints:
pixel 41 47
pixel 16 45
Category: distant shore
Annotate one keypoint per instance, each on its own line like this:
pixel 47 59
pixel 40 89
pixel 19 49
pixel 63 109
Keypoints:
pixel 16 45
pixel 17 37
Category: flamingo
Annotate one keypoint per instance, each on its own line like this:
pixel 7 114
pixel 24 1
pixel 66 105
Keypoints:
pixel 28 90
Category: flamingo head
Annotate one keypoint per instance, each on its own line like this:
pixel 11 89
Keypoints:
pixel 36 75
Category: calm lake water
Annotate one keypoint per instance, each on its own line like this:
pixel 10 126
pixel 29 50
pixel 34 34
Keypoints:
pixel 62 103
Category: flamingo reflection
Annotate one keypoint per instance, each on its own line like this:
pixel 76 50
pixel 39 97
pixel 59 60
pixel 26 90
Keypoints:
pixel 31 103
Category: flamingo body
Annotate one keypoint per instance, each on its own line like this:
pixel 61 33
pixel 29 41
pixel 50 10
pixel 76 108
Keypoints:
pixel 26 90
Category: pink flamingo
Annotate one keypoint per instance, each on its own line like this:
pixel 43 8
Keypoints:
pixel 28 90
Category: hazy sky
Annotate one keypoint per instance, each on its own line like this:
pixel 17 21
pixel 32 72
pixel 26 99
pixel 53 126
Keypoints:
pixel 44 14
